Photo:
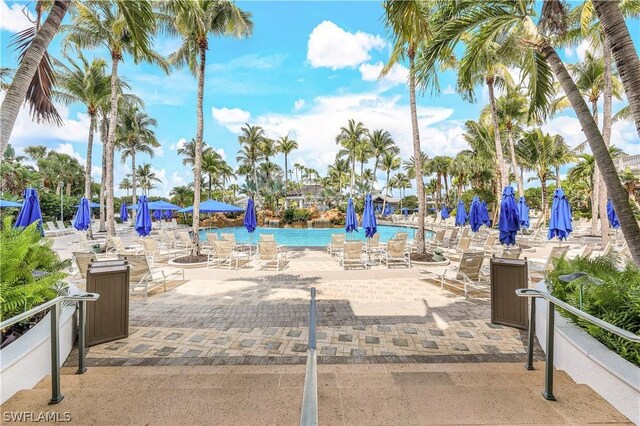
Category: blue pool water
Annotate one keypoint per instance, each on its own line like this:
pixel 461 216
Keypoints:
pixel 309 237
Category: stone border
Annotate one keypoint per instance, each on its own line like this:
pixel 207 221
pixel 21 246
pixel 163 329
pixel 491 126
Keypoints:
pixel 186 265
pixel 443 263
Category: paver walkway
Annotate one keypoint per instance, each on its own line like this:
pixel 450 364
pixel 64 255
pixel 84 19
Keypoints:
pixel 250 316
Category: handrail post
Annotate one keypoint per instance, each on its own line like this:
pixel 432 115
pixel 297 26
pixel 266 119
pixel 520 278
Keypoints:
pixel 56 395
pixel 312 319
pixel 548 368
pixel 82 313
pixel 532 334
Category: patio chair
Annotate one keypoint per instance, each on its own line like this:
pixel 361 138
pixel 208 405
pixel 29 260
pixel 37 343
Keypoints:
pixel 51 230
pixel 142 278
pixel 270 255
pixel 267 238
pixel 557 252
pixel 453 237
pixel 511 253
pixel 336 245
pixel 224 254
pixel 64 229
pixel 466 276
pixel 437 240
pixel 83 259
pixel 212 237
pixel 489 244
pixel 395 254
pixel 373 246
pixel 155 252
pixel 83 243
pixel 351 256
pixel 174 224
pixel 115 246
pixel 228 237
pixel 183 240
pixel 462 246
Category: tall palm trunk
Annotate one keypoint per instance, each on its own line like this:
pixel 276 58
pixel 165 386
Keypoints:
pixel 619 41
pixel 103 138
pixel 514 162
pixel 543 198
pixel 375 177
pixel 419 237
pixel 87 171
pixel 134 180
pixel 503 178
pixel 606 135
pixel 595 191
pixel 617 193
pixel 17 91
pixel 386 190
pixel 286 181
pixel 197 168
pixel 111 141
pixel 353 175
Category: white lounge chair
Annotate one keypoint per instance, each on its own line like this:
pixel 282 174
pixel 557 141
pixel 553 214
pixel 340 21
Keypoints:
pixel 142 278
pixel 466 276
pixel 395 254
pixel 351 256
pixel 270 255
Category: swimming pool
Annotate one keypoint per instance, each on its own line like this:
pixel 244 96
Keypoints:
pixel 306 237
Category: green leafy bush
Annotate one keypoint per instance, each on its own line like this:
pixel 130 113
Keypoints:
pixel 291 215
pixel 23 251
pixel 616 301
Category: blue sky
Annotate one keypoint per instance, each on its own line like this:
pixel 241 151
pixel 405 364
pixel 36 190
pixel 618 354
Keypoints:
pixel 307 69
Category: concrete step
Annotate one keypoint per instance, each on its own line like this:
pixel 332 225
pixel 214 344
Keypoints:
pixel 348 394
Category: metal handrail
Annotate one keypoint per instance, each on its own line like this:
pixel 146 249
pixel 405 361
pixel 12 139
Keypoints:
pixel 552 302
pixel 54 305
pixel 309 411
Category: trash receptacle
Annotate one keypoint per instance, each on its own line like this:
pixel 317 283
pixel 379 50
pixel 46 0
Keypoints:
pixel 108 317
pixel 508 275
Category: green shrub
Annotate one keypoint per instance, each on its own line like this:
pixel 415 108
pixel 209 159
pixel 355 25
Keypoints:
pixel 291 215
pixel 616 301
pixel 23 251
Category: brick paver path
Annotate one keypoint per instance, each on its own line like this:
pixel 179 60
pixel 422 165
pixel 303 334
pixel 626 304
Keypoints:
pixel 250 316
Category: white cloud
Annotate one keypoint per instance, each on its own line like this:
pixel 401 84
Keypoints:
pixel 67 148
pixel 316 127
pixel 298 104
pixel 332 47
pixel 398 74
pixel 233 118
pixel 222 153
pixel 449 90
pixel 163 188
pixel 14 18
pixel 28 132
pixel 178 145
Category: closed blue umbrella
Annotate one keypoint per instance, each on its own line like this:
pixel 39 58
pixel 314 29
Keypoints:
pixel 485 214
pixel 124 214
pixel 461 214
pixel 444 212
pixel 250 216
pixel 509 222
pixel 387 210
pixel 351 222
pixel 8 204
pixel 168 214
pixel 30 211
pixel 92 205
pixel 612 216
pixel 523 212
pixel 157 214
pixel 82 222
pixel 560 220
pixel 143 219
pixel 405 211
pixel 369 222
pixel 475 214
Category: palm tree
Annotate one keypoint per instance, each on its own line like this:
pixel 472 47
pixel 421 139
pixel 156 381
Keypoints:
pixel 486 20
pixel 211 164
pixel 194 21
pixel 250 139
pixel 381 141
pixel 181 195
pixel 402 182
pixel 409 23
pixel 537 151
pixel 125 184
pixel 29 65
pixel 512 113
pixel 390 162
pixel 234 188
pixel 350 138
pixel 87 84
pixel 619 42
pixel 286 147
pixel 135 135
pixel 121 27
pixel 147 177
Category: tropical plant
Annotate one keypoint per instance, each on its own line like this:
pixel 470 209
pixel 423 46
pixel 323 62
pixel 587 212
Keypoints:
pixel 410 25
pixel 87 83
pixel 351 137
pixel 122 27
pixel 380 142
pixel 23 252
pixel 286 147
pixel 390 162
pixel 147 177
pixel 135 135
pixel 616 301
pixel 181 195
